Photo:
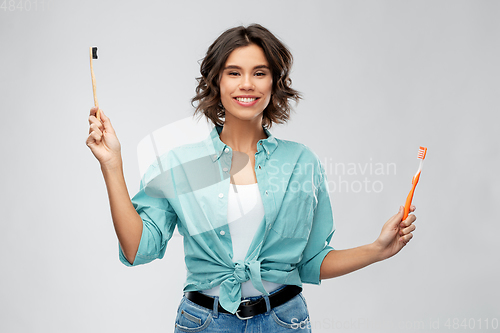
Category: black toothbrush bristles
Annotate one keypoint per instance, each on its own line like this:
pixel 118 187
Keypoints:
pixel 94 52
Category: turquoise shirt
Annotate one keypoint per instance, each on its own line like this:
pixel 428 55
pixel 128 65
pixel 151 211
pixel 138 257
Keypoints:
pixel 188 187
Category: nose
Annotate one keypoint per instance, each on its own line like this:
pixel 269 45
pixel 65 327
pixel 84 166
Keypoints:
pixel 247 82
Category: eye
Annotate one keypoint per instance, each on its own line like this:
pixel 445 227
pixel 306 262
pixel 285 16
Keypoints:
pixel 260 74
pixel 233 73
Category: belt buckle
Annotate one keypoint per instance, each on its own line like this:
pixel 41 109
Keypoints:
pixel 237 315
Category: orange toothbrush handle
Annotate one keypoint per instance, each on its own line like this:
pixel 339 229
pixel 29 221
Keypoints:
pixel 410 195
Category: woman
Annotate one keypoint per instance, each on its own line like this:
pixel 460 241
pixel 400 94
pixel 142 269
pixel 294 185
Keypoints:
pixel 254 210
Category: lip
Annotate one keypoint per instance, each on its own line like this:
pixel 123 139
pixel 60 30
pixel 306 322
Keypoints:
pixel 246 103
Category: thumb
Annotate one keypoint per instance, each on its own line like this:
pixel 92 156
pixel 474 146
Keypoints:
pixel 107 123
pixel 396 219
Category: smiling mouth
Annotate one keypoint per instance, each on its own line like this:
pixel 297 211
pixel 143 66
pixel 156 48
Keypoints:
pixel 246 99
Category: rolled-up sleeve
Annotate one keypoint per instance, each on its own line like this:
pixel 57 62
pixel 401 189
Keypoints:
pixel 322 231
pixel 159 220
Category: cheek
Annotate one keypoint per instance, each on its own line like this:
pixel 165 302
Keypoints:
pixel 225 89
pixel 222 87
pixel 269 87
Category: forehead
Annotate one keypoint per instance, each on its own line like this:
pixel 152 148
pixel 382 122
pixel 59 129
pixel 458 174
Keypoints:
pixel 251 55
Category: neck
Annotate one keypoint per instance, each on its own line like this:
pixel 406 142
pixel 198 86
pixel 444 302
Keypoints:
pixel 242 135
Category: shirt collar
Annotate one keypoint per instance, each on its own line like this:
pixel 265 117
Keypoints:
pixel 269 144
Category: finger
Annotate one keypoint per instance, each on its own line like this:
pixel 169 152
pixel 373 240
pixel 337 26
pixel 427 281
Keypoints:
pixel 94 121
pixel 93 139
pixel 93 111
pixel 412 208
pixel 107 123
pixel 95 128
pixel 94 115
pixel 409 220
pixel 407 230
pixel 98 133
pixel 394 221
pixel 406 238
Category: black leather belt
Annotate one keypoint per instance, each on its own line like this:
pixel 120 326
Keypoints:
pixel 248 308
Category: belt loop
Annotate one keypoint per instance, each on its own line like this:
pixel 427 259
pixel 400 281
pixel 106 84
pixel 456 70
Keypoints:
pixel 216 307
pixel 268 304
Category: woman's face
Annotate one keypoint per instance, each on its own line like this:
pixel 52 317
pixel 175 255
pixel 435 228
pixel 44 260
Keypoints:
pixel 246 83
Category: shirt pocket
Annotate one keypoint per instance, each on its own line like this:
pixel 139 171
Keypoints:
pixel 294 219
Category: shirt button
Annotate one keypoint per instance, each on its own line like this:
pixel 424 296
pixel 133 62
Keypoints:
pixel 267 193
pixel 221 195
pixel 222 232
pixel 225 169
pixel 259 167
pixel 226 150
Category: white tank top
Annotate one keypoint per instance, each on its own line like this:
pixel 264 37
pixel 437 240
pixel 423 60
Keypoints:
pixel 245 212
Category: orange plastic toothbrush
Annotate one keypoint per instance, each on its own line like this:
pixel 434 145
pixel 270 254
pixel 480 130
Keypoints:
pixel 93 55
pixel 421 155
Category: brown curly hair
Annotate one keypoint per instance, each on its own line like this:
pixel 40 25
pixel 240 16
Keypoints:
pixel 280 62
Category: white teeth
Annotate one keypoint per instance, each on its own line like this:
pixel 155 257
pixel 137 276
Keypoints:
pixel 245 99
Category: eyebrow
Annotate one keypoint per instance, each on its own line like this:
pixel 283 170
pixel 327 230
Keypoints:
pixel 238 67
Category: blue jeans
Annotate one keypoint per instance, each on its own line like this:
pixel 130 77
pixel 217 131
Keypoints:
pixel 291 316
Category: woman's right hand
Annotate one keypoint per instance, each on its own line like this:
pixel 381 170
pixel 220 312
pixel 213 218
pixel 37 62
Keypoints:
pixel 102 140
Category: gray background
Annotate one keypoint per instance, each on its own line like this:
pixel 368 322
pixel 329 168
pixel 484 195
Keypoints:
pixel 379 78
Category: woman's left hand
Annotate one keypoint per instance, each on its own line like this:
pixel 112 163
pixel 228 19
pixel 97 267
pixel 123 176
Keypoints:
pixel 395 234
